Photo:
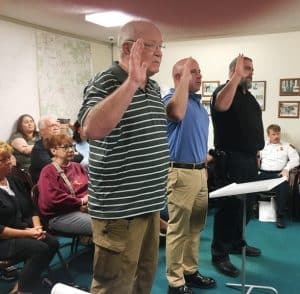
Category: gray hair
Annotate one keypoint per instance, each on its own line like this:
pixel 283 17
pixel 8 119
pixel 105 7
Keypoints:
pixel 42 124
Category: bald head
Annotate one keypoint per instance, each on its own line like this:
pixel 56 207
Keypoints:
pixel 136 29
pixel 149 48
pixel 178 66
pixel 187 68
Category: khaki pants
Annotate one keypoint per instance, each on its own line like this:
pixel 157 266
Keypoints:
pixel 126 254
pixel 187 205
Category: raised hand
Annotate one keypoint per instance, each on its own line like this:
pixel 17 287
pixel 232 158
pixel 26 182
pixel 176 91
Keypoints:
pixel 239 67
pixel 137 70
pixel 186 69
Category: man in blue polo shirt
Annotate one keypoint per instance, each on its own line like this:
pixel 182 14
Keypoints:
pixel 187 130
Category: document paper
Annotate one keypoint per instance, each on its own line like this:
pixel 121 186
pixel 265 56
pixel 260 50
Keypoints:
pixel 245 188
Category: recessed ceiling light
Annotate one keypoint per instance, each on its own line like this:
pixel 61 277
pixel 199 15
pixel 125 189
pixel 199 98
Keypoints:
pixel 109 18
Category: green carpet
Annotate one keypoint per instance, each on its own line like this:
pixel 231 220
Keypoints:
pixel 279 265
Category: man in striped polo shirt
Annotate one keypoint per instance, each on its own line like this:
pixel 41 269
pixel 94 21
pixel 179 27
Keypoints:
pixel 124 118
pixel 187 184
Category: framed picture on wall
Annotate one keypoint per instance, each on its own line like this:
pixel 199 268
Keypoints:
pixel 289 87
pixel 206 104
pixel 288 109
pixel 208 87
pixel 258 90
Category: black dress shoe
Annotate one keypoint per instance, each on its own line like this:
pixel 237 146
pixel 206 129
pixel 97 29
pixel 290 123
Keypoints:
pixel 280 223
pixel 196 280
pixel 226 268
pixel 180 290
pixel 250 251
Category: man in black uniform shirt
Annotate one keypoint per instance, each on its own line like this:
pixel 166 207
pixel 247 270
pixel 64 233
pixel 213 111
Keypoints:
pixel 238 135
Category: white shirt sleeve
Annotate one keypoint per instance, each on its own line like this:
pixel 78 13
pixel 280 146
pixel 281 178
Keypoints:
pixel 293 158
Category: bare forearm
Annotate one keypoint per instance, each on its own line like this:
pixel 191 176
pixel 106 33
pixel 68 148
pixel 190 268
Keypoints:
pixel 105 115
pixel 21 145
pixel 9 233
pixel 225 96
pixel 36 221
pixel 177 105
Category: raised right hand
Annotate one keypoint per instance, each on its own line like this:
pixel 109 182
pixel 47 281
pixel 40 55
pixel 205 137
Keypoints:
pixel 239 67
pixel 186 69
pixel 137 69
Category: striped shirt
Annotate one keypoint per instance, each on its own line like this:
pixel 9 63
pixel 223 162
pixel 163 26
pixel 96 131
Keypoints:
pixel 128 168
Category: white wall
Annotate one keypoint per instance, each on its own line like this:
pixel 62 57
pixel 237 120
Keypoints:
pixel 101 57
pixel 19 73
pixel 275 56
pixel 18 79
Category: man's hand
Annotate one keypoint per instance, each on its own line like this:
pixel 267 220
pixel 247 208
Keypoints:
pixel 239 67
pixel 137 70
pixel 285 173
pixel 186 69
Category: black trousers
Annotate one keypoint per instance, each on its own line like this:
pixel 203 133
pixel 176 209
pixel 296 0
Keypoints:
pixel 237 167
pixel 281 191
pixel 37 255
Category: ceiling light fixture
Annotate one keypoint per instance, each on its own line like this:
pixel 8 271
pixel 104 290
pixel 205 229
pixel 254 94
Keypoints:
pixel 109 18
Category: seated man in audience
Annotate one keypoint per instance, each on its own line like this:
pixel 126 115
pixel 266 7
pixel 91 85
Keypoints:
pixel 40 156
pixel 276 160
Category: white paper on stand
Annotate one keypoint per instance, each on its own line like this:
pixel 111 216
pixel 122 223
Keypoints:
pixel 60 288
pixel 245 188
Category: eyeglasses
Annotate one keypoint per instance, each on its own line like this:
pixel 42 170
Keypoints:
pixel 66 147
pixel 151 45
pixel 54 125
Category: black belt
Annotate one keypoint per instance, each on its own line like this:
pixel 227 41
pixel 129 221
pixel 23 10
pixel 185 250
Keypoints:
pixel 271 171
pixel 188 165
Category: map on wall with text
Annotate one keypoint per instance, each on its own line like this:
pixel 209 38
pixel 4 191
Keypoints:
pixel 64 67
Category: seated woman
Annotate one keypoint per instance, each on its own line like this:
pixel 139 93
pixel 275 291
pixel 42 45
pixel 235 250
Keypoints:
pixel 81 144
pixel 21 234
pixel 63 188
pixel 23 140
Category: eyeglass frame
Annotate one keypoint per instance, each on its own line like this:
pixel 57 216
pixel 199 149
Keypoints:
pixel 154 46
pixel 66 147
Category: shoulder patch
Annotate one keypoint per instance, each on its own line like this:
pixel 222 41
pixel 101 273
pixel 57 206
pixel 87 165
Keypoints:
pixel 292 146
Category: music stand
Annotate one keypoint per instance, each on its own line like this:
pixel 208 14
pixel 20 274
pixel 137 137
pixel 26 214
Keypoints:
pixel 243 189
